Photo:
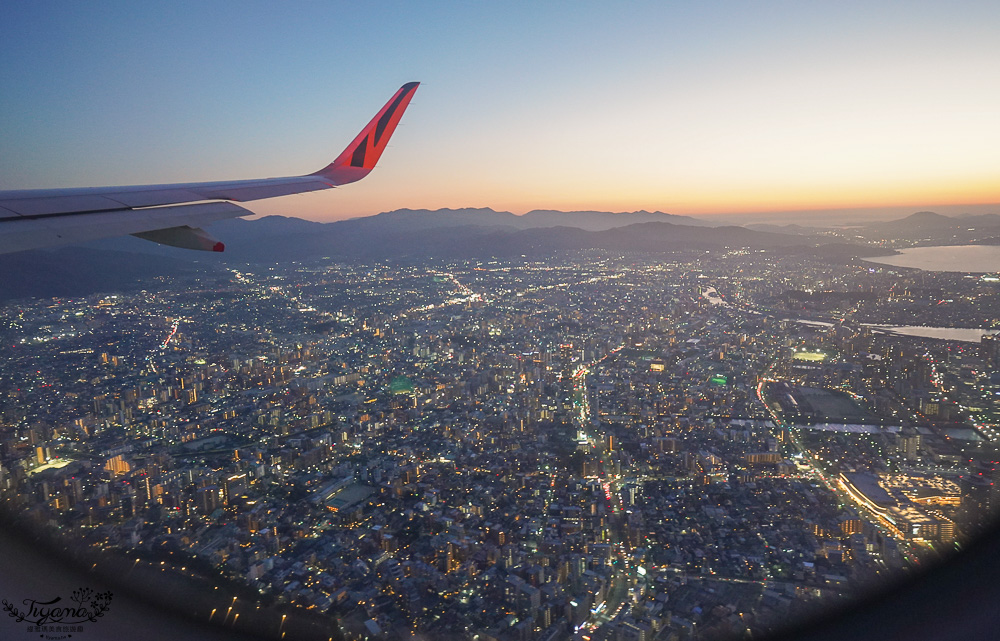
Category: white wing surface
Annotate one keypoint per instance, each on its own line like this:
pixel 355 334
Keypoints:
pixel 32 219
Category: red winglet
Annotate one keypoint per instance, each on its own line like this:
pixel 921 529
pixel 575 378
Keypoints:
pixel 357 161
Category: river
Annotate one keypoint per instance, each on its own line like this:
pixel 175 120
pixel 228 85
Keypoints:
pixel 963 334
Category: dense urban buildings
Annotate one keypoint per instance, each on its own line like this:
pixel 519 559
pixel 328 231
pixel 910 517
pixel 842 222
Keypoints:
pixel 591 446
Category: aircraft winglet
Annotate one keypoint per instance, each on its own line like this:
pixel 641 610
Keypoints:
pixel 173 214
pixel 359 158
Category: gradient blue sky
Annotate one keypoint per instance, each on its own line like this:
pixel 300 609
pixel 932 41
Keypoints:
pixel 689 108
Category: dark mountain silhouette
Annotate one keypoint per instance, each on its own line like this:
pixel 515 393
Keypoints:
pixel 408 233
pixel 602 220
pixel 980 220
pixel 783 229
pixel 472 241
pixel 353 239
pixel 413 219
pixel 413 235
pixel 408 219
pixel 922 220
pixel 79 271
pixel 403 235
pixel 444 233
pixel 936 228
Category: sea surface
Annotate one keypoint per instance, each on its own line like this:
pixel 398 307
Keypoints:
pixel 976 259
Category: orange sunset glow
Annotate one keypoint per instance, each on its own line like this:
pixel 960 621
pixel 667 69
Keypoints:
pixel 720 109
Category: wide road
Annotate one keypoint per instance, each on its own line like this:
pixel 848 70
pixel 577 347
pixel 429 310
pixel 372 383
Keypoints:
pixel 620 580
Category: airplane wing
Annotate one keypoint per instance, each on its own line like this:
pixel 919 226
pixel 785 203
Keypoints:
pixel 171 214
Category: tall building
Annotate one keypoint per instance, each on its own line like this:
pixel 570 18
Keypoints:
pixel 975 509
pixel 908 443
pixel 117 465
pixel 233 487
pixel 209 499
pixel 990 347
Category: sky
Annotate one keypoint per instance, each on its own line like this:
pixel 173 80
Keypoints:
pixel 697 108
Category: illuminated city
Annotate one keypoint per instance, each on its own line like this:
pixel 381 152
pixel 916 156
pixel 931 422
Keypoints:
pixel 532 321
pixel 592 446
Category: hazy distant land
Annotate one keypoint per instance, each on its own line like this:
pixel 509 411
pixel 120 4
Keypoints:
pixel 407 235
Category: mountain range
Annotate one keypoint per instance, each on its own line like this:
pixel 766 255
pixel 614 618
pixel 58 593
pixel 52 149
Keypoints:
pixel 451 233
pixel 409 219
pixel 414 235
pixel 932 226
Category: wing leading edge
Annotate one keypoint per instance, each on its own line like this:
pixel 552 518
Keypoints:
pixel 32 219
